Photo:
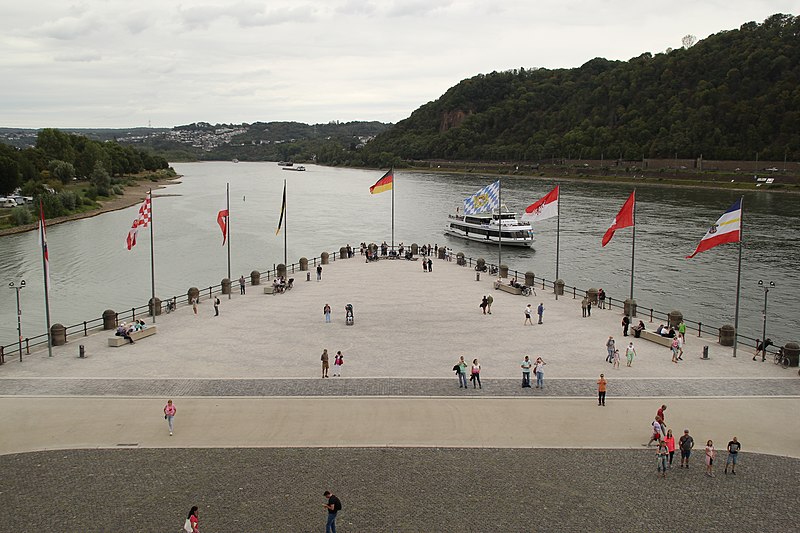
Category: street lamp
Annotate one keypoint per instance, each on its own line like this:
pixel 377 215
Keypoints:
pixel 766 286
pixel 18 288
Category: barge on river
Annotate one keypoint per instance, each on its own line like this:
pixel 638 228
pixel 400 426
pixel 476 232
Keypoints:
pixel 489 227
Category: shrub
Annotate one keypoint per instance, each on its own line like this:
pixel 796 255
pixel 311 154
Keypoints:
pixel 118 190
pixel 21 215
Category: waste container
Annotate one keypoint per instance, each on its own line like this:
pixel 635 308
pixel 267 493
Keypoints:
pixel 705 352
pixel 81 352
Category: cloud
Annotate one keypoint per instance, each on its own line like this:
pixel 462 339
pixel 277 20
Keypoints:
pixel 137 22
pixel 67 28
pixel 356 7
pixel 415 8
pixel 79 57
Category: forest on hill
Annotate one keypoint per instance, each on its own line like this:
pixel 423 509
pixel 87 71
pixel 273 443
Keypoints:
pixel 733 95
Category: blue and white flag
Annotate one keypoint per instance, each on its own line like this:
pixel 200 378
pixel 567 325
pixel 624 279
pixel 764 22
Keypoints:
pixel 485 199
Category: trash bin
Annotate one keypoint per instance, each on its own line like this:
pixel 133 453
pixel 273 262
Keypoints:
pixel 82 352
pixel 477 276
pixel 705 352
pixel 308 276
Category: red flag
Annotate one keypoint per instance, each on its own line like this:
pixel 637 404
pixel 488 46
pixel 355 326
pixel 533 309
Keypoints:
pixel 222 220
pixel 141 222
pixel 623 219
pixel 546 207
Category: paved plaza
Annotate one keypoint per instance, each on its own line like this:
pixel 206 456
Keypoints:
pixel 395 437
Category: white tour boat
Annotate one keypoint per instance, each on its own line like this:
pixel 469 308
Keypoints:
pixel 488 227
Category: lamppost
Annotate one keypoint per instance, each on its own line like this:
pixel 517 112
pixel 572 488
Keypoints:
pixel 766 286
pixel 18 288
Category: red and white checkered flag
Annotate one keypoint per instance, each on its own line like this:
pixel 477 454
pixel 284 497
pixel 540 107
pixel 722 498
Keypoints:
pixel 141 222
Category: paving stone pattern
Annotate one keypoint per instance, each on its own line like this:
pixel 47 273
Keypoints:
pixel 397 490
pixel 407 387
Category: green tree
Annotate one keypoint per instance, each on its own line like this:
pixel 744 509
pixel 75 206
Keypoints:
pixel 61 170
pixel 9 174
pixel 100 179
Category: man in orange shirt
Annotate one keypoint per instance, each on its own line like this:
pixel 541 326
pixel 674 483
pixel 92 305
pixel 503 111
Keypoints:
pixel 601 391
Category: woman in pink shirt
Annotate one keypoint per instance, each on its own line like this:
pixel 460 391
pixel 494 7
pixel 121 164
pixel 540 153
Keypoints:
pixel 169 414
pixel 670 440
pixel 192 521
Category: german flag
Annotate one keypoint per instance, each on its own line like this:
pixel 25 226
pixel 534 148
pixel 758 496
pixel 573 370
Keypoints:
pixel 383 184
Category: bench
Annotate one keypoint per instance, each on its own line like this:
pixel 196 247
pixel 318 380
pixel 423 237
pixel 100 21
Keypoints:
pixel 655 337
pixel 116 341
pixel 507 288
pixel 269 290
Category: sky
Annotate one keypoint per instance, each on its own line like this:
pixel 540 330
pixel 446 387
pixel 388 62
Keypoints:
pixel 123 63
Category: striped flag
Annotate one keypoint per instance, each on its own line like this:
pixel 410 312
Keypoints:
pixel 485 199
pixel 623 219
pixel 43 244
pixel 283 210
pixel 727 229
pixel 546 207
pixel 384 184
pixel 141 222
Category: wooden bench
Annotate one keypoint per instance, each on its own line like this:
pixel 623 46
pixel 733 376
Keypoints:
pixel 655 337
pixel 269 289
pixel 507 288
pixel 116 341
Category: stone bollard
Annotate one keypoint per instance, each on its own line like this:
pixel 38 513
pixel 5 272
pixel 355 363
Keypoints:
pixel 480 264
pixel 193 294
pixel 442 252
pixel 460 260
pixel 530 279
pixel 373 248
pixel 675 318
pixel 630 307
pixel 303 264
pixel 154 304
pixel 343 252
pixel 109 319
pixel 255 277
pixel 503 271
pixel 414 249
pixel 591 294
pixel 323 258
pixel 226 286
pixel 58 333
pixel 792 351
pixel 558 287
pixel 280 271
pixel 726 334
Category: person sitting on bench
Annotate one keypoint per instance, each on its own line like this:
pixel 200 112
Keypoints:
pixel 637 330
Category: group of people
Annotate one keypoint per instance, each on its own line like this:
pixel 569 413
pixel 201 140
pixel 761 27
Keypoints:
pixel 124 330
pixel 461 368
pixel 612 353
pixel 486 304
pixel 281 285
pixel 538 369
pixel 665 451
pixel 338 361
pixel 529 313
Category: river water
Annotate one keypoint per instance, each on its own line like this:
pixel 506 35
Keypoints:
pixel 330 207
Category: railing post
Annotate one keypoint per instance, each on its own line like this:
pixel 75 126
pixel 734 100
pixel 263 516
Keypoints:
pixel 133 313
pixel 2 356
pixel 28 346
pixel 573 293
pixel 651 314
pixel 84 328
pixel 209 293
pixel 699 329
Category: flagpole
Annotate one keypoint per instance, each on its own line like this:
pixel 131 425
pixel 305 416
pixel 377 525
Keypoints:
pixel 499 226
pixel 228 231
pixel 43 238
pixel 633 244
pixel 739 281
pixel 152 260
pixel 558 235
pixel 393 180
pixel 285 228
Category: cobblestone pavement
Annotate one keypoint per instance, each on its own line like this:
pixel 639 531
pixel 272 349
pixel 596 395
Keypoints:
pixel 387 489
pixel 658 388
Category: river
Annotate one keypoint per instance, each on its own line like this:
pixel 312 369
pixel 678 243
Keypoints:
pixel 329 207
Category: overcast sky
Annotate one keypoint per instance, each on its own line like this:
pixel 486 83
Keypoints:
pixel 115 63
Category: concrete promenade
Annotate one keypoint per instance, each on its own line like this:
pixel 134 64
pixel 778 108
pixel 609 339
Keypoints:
pixel 250 379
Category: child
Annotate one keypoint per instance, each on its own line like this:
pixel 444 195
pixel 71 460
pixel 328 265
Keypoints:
pixel 661 456
pixel 338 361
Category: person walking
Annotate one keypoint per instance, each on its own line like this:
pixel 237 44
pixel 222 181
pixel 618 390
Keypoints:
pixel 733 455
pixel 539 368
pixel 685 443
pixel 616 359
pixel 319 272
pixel 484 304
pixel 584 303
pixel 610 346
pixel 338 361
pixel 680 347
pixel 601 390
pixel 430 265
pixel 216 306
pixel 489 301
pixel 682 330
pixel 324 359
pixel 589 308
pixel 327 312
pixel 711 453
pixel 670 441
pixel 475 374
pixel 333 506
pixel 630 352
pixel 674 348
pixel 461 371
pixel 241 285
pixel 601 298
pixel 656 435
pixel 192 524
pixel 194 305
pixel 540 311
pixel 424 265
pixel 626 321
pixel 661 455
pixel 526 372
pixel 528 312
pixel 169 415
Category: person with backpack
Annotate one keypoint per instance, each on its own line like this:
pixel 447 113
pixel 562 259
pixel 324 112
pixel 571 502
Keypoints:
pixel 333 506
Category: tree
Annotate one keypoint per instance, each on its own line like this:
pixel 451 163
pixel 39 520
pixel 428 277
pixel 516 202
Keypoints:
pixel 688 41
pixel 61 170
pixel 100 179
pixel 9 175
